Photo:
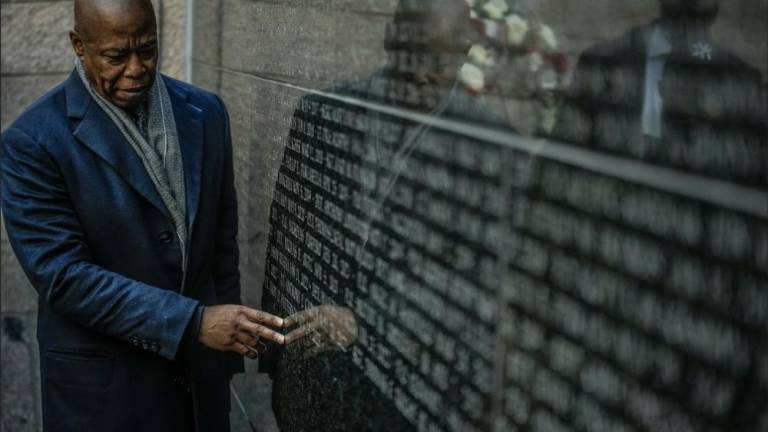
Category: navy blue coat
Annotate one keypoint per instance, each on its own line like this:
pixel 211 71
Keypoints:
pixel 94 238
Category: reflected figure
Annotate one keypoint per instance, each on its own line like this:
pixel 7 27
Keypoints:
pixel 635 303
pixel 426 43
pixel 322 328
pixel 383 235
pixel 667 93
pixel 437 282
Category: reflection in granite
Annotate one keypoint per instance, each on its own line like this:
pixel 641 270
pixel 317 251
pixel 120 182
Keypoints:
pixel 452 260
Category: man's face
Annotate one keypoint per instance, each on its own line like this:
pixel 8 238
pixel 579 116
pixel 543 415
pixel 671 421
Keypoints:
pixel 446 43
pixel 119 54
pixel 439 44
pixel 427 44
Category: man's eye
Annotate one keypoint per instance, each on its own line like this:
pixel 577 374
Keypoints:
pixel 115 59
pixel 147 53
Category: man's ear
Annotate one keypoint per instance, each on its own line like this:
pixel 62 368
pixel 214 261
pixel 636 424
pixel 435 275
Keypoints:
pixel 77 44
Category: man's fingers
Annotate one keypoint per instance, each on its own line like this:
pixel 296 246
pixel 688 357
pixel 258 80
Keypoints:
pixel 263 317
pixel 316 350
pixel 243 350
pixel 296 335
pixel 274 336
pixel 246 326
pixel 245 338
pixel 299 318
pixel 301 332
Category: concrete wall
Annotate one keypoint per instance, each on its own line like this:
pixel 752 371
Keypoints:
pixel 36 56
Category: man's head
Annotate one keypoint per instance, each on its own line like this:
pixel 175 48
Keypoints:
pixel 690 9
pixel 116 40
pixel 435 33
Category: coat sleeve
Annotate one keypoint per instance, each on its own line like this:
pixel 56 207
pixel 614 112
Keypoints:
pixel 44 232
pixel 226 266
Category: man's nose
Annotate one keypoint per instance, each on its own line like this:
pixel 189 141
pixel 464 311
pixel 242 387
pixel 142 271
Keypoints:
pixel 422 74
pixel 421 78
pixel 134 68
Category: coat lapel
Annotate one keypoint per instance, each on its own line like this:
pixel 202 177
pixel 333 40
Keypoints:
pixel 97 132
pixel 189 122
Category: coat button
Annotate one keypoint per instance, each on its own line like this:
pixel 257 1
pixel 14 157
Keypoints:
pixel 166 237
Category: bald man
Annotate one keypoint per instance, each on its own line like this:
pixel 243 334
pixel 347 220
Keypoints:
pixel 119 202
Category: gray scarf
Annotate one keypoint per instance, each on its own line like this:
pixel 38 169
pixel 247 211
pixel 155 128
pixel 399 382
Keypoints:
pixel 158 148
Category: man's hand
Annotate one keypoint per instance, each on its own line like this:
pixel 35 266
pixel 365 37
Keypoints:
pixel 322 328
pixel 235 328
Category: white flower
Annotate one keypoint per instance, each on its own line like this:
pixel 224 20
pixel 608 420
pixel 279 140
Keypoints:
pixel 548 36
pixel 535 61
pixel 472 76
pixel 496 8
pixel 481 56
pixel 548 80
pixel 492 28
pixel 517 28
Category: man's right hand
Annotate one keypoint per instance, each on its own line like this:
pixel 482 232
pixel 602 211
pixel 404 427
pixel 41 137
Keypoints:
pixel 235 328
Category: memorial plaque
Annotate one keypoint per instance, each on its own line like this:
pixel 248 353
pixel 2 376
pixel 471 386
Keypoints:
pixel 405 237
pixel 449 261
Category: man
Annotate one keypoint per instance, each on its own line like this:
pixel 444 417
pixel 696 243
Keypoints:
pixel 119 201
pixel 666 93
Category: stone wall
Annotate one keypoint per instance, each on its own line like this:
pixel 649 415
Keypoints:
pixel 263 56
pixel 313 44
pixel 36 56
pixel 247 51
